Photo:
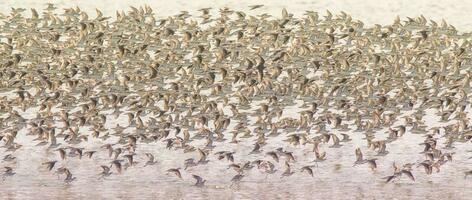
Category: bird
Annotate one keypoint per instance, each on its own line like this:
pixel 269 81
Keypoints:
pixel 190 162
pixel 89 154
pixel 9 157
pixel 359 157
pixel 203 157
pixel 105 171
pixel 200 181
pixel 273 155
pixel 288 171
pixel 8 172
pixel 398 172
pixel 50 164
pixel 151 160
pixel 175 171
pixel 69 178
pixel 467 173
pixel 408 173
pixel 236 179
pixel 253 7
pixel 62 153
pixel 336 141
pixel 117 165
pixel 236 167
pixel 308 170
pixel 428 167
pixel 256 148
pixel 116 90
pixel 130 158
pixel 320 156
pixel 372 164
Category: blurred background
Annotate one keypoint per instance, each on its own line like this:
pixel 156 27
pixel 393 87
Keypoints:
pixel 455 12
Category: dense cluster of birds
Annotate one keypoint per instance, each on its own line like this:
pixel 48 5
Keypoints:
pixel 233 82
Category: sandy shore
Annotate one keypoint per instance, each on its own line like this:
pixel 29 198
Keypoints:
pixel 371 12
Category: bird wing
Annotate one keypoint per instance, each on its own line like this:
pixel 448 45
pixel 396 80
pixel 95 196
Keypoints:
pixel 257 146
pixel 345 136
pixel 202 154
pixel 308 169
pixel 150 156
pixel 326 137
pixel 390 178
pixel 62 153
pixel 68 174
pixel 117 165
pixel 198 178
pixel 359 154
pixel 372 163
pixel 105 168
pixel 130 158
pixel 287 166
pixel 273 155
pixel 409 174
pixel 176 172
pixel 383 147
pixel 252 7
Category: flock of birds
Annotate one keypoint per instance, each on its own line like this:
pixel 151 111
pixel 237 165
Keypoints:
pixel 196 83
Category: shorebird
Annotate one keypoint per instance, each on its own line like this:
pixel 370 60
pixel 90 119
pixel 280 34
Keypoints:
pixel 151 160
pixel 62 153
pixel 89 154
pixel 372 164
pixel 252 7
pixel 359 157
pixel 8 158
pixel 308 169
pixel 256 149
pixel 117 165
pixel 288 171
pixel 105 171
pixel 50 164
pixel 336 141
pixel 175 171
pixel 267 166
pixel 273 155
pixel 320 156
pixel 69 178
pixel 200 182
pixel 236 179
pixel 225 154
pixel 467 173
pixel 406 170
pixel 190 83
pixel 8 172
pixel 236 167
pixel 130 159
pixel 428 167
pixel 203 157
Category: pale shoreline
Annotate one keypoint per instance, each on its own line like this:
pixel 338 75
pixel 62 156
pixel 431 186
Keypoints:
pixel 371 12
